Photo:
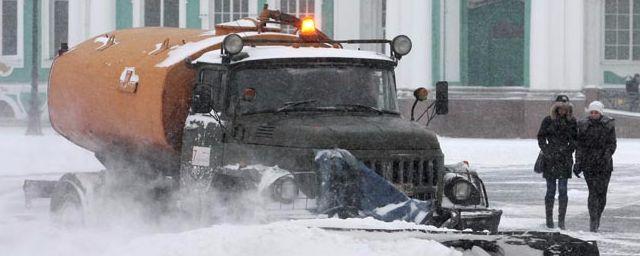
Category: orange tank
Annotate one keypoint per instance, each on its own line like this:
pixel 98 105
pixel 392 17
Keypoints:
pixel 128 88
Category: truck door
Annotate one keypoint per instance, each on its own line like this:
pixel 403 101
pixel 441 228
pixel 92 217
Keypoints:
pixel 202 144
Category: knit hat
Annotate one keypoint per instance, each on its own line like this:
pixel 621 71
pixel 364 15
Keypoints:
pixel 562 98
pixel 596 106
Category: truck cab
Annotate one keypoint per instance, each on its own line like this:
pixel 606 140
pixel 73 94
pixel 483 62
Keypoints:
pixel 278 105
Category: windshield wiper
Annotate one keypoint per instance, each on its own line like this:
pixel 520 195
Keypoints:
pixel 360 106
pixel 289 105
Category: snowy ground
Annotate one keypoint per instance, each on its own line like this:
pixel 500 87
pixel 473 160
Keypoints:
pixel 505 166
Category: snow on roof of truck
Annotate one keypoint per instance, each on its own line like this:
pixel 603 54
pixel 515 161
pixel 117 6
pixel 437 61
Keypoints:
pixel 246 23
pixel 180 52
pixel 287 52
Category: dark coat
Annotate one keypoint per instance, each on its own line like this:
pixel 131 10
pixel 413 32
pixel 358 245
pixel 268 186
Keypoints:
pixel 596 143
pixel 632 85
pixel 556 139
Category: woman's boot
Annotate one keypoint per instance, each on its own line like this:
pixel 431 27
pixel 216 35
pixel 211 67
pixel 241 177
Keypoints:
pixel 593 224
pixel 562 211
pixel 548 205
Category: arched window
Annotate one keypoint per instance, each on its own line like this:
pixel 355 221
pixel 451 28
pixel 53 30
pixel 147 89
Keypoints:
pixel 6 112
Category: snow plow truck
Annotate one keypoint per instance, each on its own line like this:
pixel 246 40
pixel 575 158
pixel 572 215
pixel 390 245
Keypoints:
pixel 190 123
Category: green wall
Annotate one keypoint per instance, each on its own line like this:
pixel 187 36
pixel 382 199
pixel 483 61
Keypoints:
pixel 464 53
pixel 490 60
pixel 495 44
pixel 613 78
pixel 527 41
pixel 193 14
pixel 435 42
pixel 261 5
pixel 327 17
pixel 124 14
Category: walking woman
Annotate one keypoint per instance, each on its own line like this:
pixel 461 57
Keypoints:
pixel 556 139
pixel 596 143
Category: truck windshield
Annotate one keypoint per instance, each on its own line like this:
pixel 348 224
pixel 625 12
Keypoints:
pixel 317 88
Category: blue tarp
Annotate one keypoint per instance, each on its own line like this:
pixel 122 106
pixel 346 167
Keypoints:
pixel 348 184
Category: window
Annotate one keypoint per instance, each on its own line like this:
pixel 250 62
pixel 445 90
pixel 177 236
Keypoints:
pixel 622 30
pixel 298 8
pixel 60 26
pixel 9 27
pixel 329 87
pixel 229 10
pixel 162 13
pixel 54 24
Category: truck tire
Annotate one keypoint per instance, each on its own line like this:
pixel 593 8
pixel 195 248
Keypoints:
pixel 66 207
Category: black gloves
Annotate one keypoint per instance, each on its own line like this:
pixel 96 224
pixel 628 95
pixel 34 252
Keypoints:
pixel 577 169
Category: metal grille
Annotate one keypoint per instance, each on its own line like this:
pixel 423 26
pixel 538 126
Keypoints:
pixel 265 131
pixel 415 177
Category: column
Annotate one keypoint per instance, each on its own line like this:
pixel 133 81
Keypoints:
pixel 451 40
pixel 346 20
pixel 102 17
pixel 412 18
pixel 78 24
pixel 593 42
pixel 557 45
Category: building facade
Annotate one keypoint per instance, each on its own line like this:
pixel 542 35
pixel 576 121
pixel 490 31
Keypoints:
pixel 505 60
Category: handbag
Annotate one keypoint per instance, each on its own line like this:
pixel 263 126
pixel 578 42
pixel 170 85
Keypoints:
pixel 539 166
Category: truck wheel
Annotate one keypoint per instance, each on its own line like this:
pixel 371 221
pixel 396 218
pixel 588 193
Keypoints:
pixel 66 207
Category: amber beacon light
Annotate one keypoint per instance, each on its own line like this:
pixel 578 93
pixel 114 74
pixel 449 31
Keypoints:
pixel 308 26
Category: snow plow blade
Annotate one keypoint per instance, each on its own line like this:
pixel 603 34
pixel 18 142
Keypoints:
pixel 509 243
pixel 37 189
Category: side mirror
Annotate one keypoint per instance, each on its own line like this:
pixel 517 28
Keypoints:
pixel 421 94
pixel 442 98
pixel 248 94
pixel 439 107
pixel 201 101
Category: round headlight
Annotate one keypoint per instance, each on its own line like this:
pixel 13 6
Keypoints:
pixel 285 190
pixel 233 44
pixel 462 191
pixel 401 45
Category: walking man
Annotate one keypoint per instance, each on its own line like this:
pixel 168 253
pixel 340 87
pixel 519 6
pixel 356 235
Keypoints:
pixel 556 139
pixel 596 143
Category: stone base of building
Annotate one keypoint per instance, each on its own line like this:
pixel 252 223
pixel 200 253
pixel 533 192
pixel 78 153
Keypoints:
pixel 502 112
pixel 505 112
